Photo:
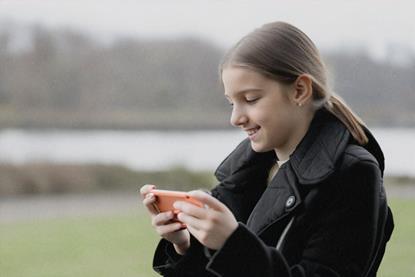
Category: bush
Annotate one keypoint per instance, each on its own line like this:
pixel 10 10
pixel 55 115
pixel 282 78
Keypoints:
pixel 40 178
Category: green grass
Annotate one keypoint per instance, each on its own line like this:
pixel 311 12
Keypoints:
pixel 124 246
pixel 400 251
pixel 101 246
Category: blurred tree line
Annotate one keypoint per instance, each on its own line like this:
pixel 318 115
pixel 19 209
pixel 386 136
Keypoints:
pixel 67 79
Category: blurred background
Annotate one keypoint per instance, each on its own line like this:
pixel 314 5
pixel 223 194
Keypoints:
pixel 98 98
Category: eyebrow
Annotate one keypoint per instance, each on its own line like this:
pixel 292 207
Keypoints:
pixel 245 90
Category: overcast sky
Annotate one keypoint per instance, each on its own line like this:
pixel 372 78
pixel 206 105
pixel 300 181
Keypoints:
pixel 333 24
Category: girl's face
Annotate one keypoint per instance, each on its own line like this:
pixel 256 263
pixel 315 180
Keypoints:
pixel 262 107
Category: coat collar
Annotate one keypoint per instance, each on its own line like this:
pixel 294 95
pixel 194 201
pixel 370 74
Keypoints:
pixel 315 157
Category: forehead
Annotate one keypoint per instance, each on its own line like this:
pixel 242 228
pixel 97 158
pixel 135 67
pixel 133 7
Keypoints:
pixel 237 79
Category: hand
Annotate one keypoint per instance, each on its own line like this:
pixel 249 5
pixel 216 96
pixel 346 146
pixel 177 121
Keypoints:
pixel 211 226
pixel 162 222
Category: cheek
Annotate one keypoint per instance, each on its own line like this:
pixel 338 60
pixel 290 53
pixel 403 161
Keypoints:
pixel 274 117
pixel 279 126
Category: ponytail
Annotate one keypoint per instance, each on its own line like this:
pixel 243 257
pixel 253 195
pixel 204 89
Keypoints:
pixel 338 107
pixel 324 96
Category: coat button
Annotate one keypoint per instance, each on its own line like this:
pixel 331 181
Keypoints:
pixel 290 201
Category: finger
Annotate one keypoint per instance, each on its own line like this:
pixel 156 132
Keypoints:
pixel 191 209
pixel 190 221
pixel 146 189
pixel 207 199
pixel 162 218
pixel 169 228
pixel 150 203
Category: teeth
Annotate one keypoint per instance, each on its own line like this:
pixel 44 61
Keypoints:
pixel 252 131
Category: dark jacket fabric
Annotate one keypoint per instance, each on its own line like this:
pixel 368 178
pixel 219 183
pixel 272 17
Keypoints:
pixel 323 214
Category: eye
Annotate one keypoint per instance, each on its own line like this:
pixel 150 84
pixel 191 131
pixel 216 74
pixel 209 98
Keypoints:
pixel 253 100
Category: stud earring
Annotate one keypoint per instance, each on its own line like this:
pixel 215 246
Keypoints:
pixel 299 104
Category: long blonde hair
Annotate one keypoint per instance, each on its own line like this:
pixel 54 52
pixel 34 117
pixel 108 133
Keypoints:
pixel 282 52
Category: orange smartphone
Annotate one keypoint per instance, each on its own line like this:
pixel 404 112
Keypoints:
pixel 166 198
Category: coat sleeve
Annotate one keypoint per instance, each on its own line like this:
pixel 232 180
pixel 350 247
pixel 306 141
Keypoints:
pixel 340 242
pixel 168 263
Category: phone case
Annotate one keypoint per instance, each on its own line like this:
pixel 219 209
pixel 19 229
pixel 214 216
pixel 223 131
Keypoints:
pixel 166 199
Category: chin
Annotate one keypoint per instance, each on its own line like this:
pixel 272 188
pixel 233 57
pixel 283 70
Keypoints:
pixel 259 148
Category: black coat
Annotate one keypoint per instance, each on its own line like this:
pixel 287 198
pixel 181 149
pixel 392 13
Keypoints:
pixel 323 214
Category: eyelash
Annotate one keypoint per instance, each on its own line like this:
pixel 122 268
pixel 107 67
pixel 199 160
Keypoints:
pixel 247 101
pixel 252 101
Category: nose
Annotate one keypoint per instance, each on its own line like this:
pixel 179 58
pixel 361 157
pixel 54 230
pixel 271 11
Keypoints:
pixel 238 117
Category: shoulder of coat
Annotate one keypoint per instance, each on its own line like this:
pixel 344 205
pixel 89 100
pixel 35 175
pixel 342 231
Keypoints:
pixel 356 153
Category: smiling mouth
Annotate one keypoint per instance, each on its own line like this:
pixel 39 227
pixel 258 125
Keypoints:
pixel 253 131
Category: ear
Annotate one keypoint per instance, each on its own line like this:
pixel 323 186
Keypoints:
pixel 303 89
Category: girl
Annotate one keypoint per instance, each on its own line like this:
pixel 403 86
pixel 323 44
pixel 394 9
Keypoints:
pixel 302 195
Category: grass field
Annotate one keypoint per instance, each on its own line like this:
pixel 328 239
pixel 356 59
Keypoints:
pixel 124 245
pixel 88 246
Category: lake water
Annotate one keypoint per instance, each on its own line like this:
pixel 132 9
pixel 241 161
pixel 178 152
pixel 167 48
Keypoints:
pixel 159 150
